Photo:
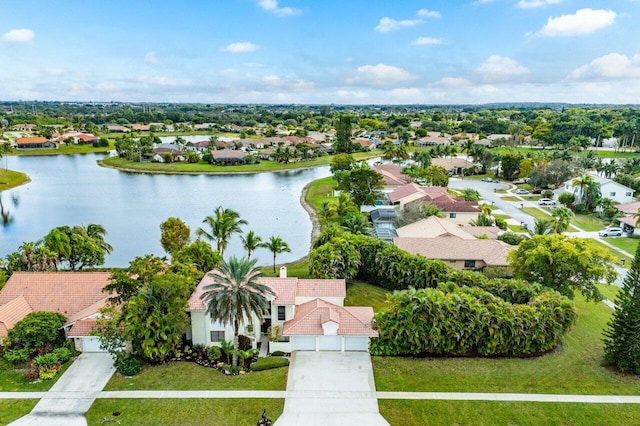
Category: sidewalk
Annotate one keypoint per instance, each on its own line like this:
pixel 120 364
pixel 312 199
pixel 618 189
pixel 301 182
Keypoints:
pixel 513 397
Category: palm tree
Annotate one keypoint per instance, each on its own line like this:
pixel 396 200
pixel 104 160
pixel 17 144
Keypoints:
pixel 97 233
pixel 326 212
pixel 345 205
pixel 356 224
pixel 423 158
pixel 236 296
pixel 563 219
pixel 636 216
pixel 224 223
pixel 276 245
pixel 582 182
pixel 58 242
pixel 251 242
pixel 543 226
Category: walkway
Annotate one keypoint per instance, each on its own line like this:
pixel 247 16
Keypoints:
pixel 331 388
pixel 72 395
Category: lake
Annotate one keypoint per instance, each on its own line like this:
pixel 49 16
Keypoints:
pixel 73 190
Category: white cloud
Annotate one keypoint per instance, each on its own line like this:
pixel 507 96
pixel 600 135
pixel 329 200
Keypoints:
pixel 106 87
pixel 254 65
pixel 163 81
pixel 426 13
pixel 380 76
pixel 272 6
pixel 241 47
pixel 387 24
pixel 18 36
pixel 274 83
pixel 151 58
pixel 451 82
pixel 353 94
pixel 532 4
pixel 500 69
pixel 584 21
pixel 611 66
pixel 421 41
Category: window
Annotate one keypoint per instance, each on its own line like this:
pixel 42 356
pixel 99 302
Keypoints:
pixel 281 313
pixel 216 336
pixel 628 194
pixel 452 215
pixel 612 194
pixel 469 263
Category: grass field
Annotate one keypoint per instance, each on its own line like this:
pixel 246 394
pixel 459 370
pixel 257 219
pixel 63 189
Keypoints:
pixel 630 245
pixel 321 190
pixel 616 254
pixel 10 179
pixel 11 409
pixel 183 412
pixel 575 368
pixel 536 213
pixel 64 150
pixel 490 413
pixel 12 379
pixel 588 222
pixel 363 294
pixel 190 376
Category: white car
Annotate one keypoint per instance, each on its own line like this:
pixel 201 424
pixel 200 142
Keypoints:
pixel 521 191
pixel 610 232
pixel 486 179
pixel 546 202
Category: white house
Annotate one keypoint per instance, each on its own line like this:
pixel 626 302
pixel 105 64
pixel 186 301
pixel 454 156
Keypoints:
pixel 309 313
pixel 608 189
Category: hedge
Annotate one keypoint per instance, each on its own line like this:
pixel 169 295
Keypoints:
pixel 269 363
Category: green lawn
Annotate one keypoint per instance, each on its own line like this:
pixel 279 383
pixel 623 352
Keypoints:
pixel 575 368
pixel 183 412
pixel 363 294
pixel 11 409
pixel 616 254
pixel 10 179
pixel 630 245
pixel 588 222
pixel 299 268
pixel 190 376
pixel 536 213
pixel 12 380
pixel 65 150
pixel 510 198
pixel 320 190
pixel 490 413
pixel 609 291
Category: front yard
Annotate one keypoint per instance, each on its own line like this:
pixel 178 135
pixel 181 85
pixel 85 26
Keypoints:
pixel 12 379
pixel 12 409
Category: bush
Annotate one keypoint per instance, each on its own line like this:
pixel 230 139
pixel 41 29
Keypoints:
pixel 269 363
pixel 17 356
pixel 38 329
pixel 278 353
pixel 45 361
pixel 31 375
pixel 501 223
pixel 47 374
pixel 63 354
pixel 512 238
pixel 214 353
pixel 244 343
pixel 127 364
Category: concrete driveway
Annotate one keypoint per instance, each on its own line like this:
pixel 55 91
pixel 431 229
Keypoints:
pixel 72 395
pixel 331 388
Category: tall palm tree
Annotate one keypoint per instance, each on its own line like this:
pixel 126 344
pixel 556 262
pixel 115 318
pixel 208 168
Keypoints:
pixel 236 296
pixel 356 224
pixel 345 205
pixel 326 212
pixel 563 219
pixel 224 223
pixel 251 242
pixel 582 182
pixel 276 245
pixel 543 226
pixel 97 234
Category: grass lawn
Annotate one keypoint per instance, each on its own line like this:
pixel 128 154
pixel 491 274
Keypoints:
pixel 363 294
pixel 11 409
pixel 517 228
pixel 12 380
pixel 183 412
pixel 587 222
pixel 616 254
pixel 536 213
pixel 298 269
pixel 321 190
pixel 190 376
pixel 65 150
pixel 609 291
pixel 630 245
pixel 489 413
pixel 511 198
pixel 10 179
pixel 575 368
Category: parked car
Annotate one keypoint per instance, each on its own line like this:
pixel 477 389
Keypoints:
pixel 521 191
pixel 486 179
pixel 610 232
pixel 537 191
pixel 546 202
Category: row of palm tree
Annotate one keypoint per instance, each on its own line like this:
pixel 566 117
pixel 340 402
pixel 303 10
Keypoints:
pixel 225 222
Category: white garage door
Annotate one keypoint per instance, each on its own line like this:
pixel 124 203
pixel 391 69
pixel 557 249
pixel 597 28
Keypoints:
pixel 91 344
pixel 304 343
pixel 330 343
pixel 356 344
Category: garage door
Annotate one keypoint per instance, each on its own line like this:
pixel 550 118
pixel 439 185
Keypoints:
pixel 91 344
pixel 330 343
pixel 356 344
pixel 304 343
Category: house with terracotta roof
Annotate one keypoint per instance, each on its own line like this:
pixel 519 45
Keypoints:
pixel 309 313
pixel 76 295
pixel 34 142
pixel 439 239
pixel 392 176
pixel 628 222
pixel 454 165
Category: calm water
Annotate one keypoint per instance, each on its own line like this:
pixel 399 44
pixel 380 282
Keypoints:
pixel 72 190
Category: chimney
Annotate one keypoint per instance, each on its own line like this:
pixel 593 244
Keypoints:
pixel 283 272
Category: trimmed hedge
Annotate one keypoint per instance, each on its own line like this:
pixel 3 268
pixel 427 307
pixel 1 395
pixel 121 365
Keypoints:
pixel 269 363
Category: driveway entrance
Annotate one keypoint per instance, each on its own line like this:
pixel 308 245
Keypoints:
pixel 331 388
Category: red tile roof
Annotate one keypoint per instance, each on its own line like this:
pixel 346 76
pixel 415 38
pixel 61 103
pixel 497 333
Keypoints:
pixel 34 139
pixel 12 312
pixel 309 317
pixel 65 292
pixel 82 328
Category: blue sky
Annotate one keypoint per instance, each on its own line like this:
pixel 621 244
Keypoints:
pixel 321 52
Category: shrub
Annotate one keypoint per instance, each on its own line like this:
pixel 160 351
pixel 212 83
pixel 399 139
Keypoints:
pixel 37 330
pixel 17 356
pixel 128 365
pixel 31 375
pixel 278 353
pixel 512 238
pixel 200 352
pixel 63 354
pixel 501 223
pixel 244 343
pixel 566 198
pixel 269 363
pixel 214 353
pixel 46 361
pixel 47 374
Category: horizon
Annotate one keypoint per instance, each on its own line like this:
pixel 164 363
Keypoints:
pixel 290 52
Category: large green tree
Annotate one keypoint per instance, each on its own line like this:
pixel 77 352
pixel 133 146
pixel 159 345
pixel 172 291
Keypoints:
pixel 80 246
pixel 276 245
pixel 223 224
pixel 174 234
pixel 361 182
pixel 343 135
pixel 251 242
pixel 621 337
pixel 564 264
pixel 235 295
pixel 199 254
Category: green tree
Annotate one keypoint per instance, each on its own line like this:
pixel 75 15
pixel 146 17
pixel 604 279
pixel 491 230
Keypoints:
pixel 174 234
pixel 563 217
pixel 356 223
pixel 341 162
pixel 87 246
pixel 251 242
pixel 621 337
pixel 200 255
pixel 343 135
pixel 326 212
pixel 276 245
pixel 510 165
pixel 36 330
pixel 236 295
pixel 563 264
pixel 469 194
pixel 223 224
pixel 125 283
pixel 334 259
pixel 543 226
pixel 362 183
pixel 436 175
